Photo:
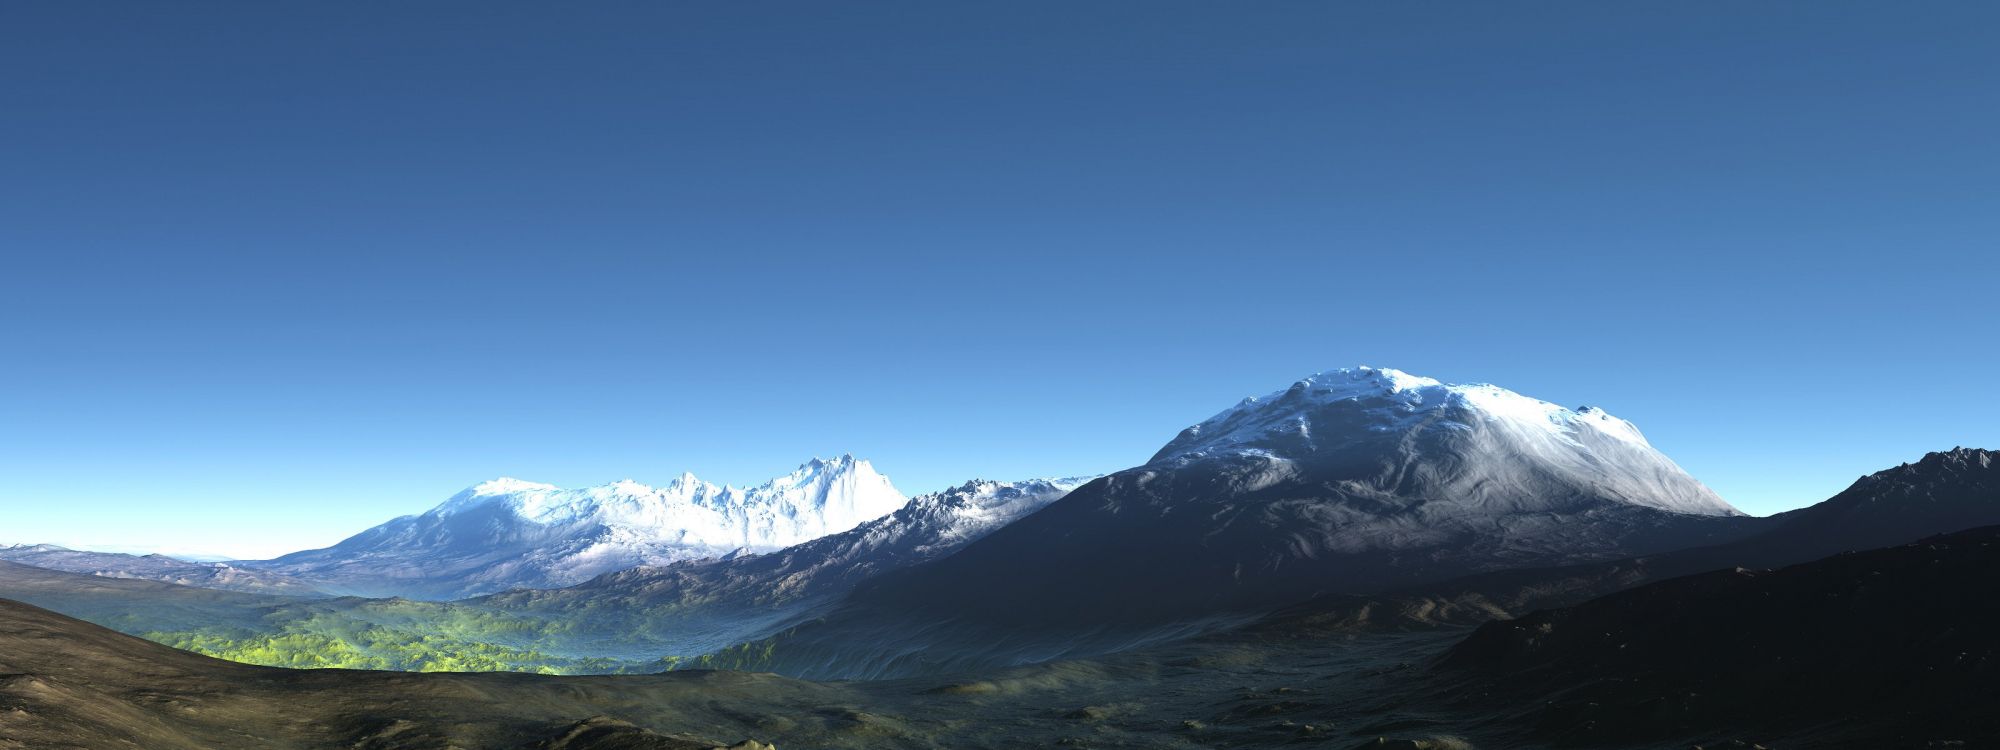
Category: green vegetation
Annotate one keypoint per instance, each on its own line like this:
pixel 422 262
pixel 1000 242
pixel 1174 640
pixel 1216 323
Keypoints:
pixel 430 637
pixel 395 635
pixel 750 656
pixel 549 632
pixel 588 637
pixel 742 657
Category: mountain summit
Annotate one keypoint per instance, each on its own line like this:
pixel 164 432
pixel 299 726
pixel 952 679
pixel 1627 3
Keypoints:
pixel 1340 420
pixel 507 533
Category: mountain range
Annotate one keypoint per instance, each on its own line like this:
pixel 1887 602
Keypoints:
pixel 507 533
pixel 1325 537
pixel 212 575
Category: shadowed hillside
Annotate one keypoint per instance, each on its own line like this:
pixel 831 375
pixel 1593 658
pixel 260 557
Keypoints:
pixel 1890 646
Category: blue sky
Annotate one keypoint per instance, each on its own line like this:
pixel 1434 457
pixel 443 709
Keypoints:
pixel 276 272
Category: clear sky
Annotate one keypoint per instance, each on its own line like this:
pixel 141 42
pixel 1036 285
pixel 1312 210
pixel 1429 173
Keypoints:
pixel 276 272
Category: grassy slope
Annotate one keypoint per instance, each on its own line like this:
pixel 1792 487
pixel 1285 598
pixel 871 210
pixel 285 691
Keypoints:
pixel 354 633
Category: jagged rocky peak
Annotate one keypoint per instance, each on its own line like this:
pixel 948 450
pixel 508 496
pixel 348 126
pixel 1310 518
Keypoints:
pixel 1955 461
pixel 1969 477
pixel 972 510
pixel 989 492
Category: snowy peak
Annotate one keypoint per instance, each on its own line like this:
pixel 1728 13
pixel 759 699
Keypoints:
pixel 1388 416
pixel 989 504
pixel 931 525
pixel 1389 401
pixel 505 486
pixel 820 497
pixel 507 532
pixel 821 476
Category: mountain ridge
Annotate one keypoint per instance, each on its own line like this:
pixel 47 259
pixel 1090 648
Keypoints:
pixel 508 533
pixel 724 601
pixel 157 567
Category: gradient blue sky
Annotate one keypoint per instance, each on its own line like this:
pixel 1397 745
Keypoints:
pixel 275 272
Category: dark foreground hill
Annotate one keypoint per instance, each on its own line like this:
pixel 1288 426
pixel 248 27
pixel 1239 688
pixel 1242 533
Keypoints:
pixel 65 683
pixel 1885 648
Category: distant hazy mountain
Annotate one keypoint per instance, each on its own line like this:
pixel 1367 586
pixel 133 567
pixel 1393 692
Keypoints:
pixel 1350 481
pixel 512 534
pixel 692 605
pixel 209 575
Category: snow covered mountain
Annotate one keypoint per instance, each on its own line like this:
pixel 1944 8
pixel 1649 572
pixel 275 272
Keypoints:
pixel 688 606
pixel 1466 439
pixel 1350 481
pixel 208 575
pixel 508 533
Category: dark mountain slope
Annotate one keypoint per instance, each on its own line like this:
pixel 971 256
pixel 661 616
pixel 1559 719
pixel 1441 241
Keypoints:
pixel 1941 493
pixel 1890 648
